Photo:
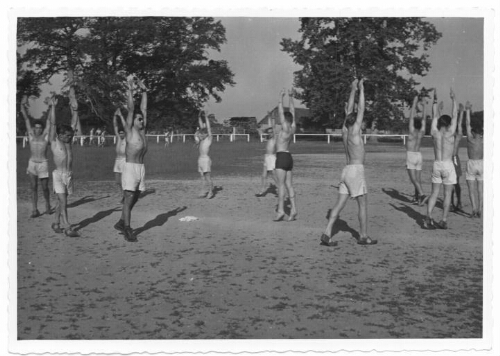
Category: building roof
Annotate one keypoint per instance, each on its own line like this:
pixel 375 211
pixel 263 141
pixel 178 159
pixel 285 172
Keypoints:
pixel 299 114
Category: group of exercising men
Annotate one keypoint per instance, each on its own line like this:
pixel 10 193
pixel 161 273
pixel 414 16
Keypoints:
pixel 131 147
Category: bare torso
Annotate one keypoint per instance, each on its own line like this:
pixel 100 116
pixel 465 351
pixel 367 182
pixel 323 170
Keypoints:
pixel 284 137
pixel 136 146
pixel 38 147
pixel 444 142
pixel 270 146
pixel 63 155
pixel 353 144
pixel 205 146
pixel 414 140
pixel 120 148
pixel 475 147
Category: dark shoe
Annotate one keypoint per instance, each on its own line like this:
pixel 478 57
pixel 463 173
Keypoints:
pixel 120 225
pixel 442 225
pixel 129 234
pixel 35 214
pixel 71 233
pixel 367 241
pixel 429 224
pixel 57 228
pixel 279 218
pixel 327 241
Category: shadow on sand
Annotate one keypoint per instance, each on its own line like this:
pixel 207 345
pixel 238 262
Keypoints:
pixel 341 225
pixel 159 220
pixel 98 216
pixel 85 200
pixel 415 215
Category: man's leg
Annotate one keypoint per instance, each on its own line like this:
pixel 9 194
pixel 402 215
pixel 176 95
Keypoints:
pixel 363 215
pixel 63 209
pixel 34 195
pixel 448 190
pixel 291 195
pixel 203 190
pixel 472 195
pixel 208 178
pixel 458 192
pixel 263 181
pixel 118 180
pixel 129 200
pixel 413 180
pixel 334 214
pixel 46 194
pixel 431 204
pixel 281 175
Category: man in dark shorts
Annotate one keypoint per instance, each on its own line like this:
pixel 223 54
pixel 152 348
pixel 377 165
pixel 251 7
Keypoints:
pixel 284 161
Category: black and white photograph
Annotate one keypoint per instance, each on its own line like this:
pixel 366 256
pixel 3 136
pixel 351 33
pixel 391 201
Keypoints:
pixel 297 180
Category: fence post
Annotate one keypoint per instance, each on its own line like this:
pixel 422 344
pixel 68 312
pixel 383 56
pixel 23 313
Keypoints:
pixel 248 138
pixel 184 138
pixel 328 138
pixel 365 138
pixel 294 138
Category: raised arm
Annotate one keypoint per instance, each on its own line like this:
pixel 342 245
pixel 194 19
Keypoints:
pixel 411 128
pixel 73 105
pixel 453 125
pixel 24 112
pixel 424 118
pixel 291 107
pixel 52 119
pixel 468 107
pixel 435 113
pixel 350 104
pixel 361 102
pixel 209 130
pixel 459 131
pixel 281 111
pixel 126 128
pixel 144 101
pixel 115 121
pixel 130 101
pixel 201 124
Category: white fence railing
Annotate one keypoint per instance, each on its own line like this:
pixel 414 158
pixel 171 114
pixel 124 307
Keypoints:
pixel 329 136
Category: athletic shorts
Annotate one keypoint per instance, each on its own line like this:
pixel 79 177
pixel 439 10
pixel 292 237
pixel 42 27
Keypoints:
pixel 284 161
pixel 119 163
pixel 474 169
pixel 133 177
pixel 270 162
pixel 457 165
pixel 204 164
pixel 352 181
pixel 62 182
pixel 39 169
pixel 444 172
pixel 414 160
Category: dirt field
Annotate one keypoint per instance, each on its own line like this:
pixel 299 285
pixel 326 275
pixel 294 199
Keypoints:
pixel 236 274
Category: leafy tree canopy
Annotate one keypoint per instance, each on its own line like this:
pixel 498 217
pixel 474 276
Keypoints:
pixel 96 54
pixel 389 52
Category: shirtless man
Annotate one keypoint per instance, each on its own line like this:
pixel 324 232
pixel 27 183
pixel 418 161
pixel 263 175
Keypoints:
pixel 353 176
pixel 136 147
pixel 121 142
pixel 443 134
pixel 284 160
pixel 413 154
pixel 168 136
pixel 457 190
pixel 474 171
pixel 38 166
pixel 269 158
pixel 62 177
pixel 203 138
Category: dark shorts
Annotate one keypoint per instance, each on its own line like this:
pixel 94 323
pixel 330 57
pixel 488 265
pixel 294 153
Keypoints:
pixel 284 161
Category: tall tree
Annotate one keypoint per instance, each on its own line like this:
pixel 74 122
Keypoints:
pixel 389 52
pixel 170 54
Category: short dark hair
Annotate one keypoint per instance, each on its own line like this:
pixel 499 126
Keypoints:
pixel 444 121
pixel 64 129
pixel 417 123
pixel 39 122
pixel 350 119
pixel 288 117
pixel 477 126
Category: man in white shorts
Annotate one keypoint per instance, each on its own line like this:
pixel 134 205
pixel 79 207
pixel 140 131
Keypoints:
pixel 474 172
pixel 443 172
pixel 416 131
pixel 269 159
pixel 121 143
pixel 203 137
pixel 38 166
pixel 352 182
pixel 136 147
pixel 457 190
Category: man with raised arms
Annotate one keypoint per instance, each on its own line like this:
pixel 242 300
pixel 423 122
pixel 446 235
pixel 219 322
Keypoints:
pixel 136 147
pixel 62 177
pixel 38 166
pixel 269 157
pixel 416 131
pixel 457 190
pixel 284 160
pixel 352 181
pixel 121 143
pixel 443 172
pixel 203 138
pixel 474 171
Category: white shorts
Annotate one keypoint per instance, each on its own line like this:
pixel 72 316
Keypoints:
pixel 352 181
pixel 474 169
pixel 119 163
pixel 39 169
pixel 133 177
pixel 204 164
pixel 414 160
pixel 270 162
pixel 62 182
pixel 444 172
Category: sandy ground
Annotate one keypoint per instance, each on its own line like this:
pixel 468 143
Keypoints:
pixel 236 274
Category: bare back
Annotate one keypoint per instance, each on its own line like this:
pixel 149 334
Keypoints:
pixel 205 146
pixel 353 144
pixel 270 146
pixel 120 147
pixel 444 142
pixel 475 146
pixel 414 140
pixel 284 137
